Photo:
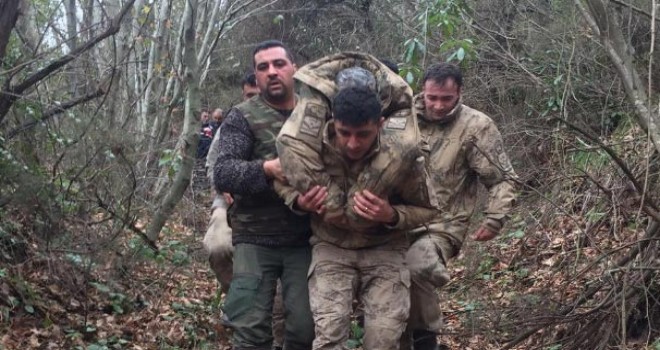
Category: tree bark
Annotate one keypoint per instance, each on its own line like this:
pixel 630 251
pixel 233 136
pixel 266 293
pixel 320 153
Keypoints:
pixel 155 67
pixel 187 144
pixel 8 17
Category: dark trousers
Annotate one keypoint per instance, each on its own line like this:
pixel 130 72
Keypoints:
pixel 249 303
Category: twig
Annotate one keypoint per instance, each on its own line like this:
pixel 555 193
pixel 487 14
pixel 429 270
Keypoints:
pixel 60 108
pixel 653 231
pixel 151 244
pixel 635 9
pixel 11 93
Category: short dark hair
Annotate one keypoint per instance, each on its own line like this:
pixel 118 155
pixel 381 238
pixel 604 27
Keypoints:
pixel 249 79
pixel 265 45
pixel 356 106
pixel 393 66
pixel 440 72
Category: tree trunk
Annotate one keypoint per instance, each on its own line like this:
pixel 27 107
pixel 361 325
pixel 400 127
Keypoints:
pixel 8 17
pixel 155 67
pixel 606 25
pixel 189 138
pixel 72 42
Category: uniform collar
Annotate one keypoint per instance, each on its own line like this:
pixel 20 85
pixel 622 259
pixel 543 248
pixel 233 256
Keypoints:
pixel 420 108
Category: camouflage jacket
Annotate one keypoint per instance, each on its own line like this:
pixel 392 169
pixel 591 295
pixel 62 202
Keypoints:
pixel 355 234
pixel 462 150
pixel 258 215
pixel 300 142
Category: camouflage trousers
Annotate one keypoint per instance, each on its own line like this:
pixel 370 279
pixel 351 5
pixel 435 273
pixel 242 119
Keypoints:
pixel 217 242
pixel 377 277
pixel 249 303
pixel 426 261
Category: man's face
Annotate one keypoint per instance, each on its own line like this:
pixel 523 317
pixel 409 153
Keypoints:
pixel 354 142
pixel 440 98
pixel 217 115
pixel 249 91
pixel 274 73
pixel 204 117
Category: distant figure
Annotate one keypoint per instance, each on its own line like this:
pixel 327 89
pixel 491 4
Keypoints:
pixel 216 120
pixel 205 135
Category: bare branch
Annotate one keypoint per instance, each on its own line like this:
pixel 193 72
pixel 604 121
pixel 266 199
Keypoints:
pixel 8 96
pixel 635 9
pixel 55 111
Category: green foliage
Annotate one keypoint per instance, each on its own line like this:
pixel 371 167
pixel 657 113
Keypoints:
pixel 118 302
pixel 356 335
pixel 172 160
pixel 444 17
pixel 589 159
pixel 656 345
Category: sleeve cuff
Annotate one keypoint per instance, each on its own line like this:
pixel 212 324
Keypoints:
pixel 400 219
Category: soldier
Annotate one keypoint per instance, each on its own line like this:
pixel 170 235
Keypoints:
pixel 465 148
pixel 349 257
pixel 270 241
pixel 300 141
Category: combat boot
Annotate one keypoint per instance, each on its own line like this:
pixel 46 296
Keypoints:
pixel 426 340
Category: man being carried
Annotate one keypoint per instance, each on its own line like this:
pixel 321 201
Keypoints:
pixel 300 141
pixel 364 262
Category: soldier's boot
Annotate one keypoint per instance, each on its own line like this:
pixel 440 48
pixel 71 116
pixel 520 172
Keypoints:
pixel 424 340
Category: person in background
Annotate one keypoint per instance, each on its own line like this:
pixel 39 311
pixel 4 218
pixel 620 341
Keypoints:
pixel 216 120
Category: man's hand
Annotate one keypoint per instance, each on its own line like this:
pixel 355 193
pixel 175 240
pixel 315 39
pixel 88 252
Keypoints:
pixel 374 208
pixel 313 200
pixel 484 234
pixel 273 170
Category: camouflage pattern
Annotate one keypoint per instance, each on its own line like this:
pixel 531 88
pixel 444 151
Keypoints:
pixel 360 233
pixel 462 150
pixel 383 282
pixel 264 213
pixel 300 142
pixel 427 264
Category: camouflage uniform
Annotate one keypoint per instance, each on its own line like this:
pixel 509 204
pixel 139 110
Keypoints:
pixel 271 242
pixel 300 141
pixel 365 258
pixel 463 149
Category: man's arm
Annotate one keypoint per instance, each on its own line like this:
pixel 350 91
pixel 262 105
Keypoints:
pixel 234 171
pixel 488 159
pixel 299 146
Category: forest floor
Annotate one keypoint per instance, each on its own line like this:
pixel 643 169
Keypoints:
pixel 171 300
